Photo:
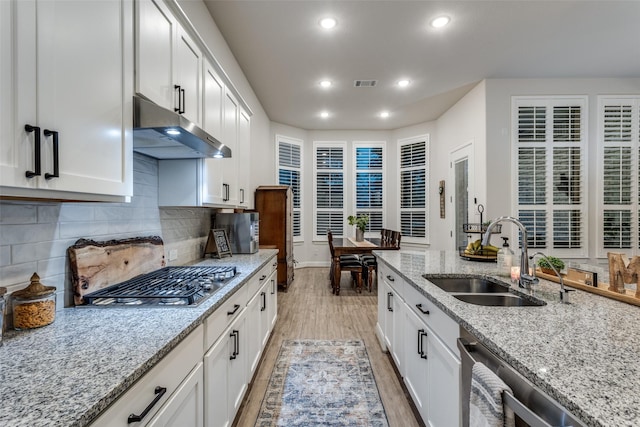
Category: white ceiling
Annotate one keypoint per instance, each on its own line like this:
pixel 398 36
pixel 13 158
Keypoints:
pixel 284 53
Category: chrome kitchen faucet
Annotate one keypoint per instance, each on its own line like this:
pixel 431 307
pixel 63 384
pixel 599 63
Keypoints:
pixel 526 279
pixel 564 293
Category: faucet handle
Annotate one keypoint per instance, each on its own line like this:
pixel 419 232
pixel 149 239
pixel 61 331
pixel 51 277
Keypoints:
pixel 564 295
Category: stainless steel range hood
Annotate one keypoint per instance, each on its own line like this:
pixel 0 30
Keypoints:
pixel 163 134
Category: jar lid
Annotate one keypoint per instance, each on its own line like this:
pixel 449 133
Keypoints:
pixel 35 289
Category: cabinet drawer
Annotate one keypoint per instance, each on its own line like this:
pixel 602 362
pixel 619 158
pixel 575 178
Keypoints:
pixel 168 373
pixel 224 315
pixel 392 279
pixel 443 325
pixel 259 279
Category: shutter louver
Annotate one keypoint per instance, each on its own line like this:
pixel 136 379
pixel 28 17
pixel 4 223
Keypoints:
pixel 617 175
pixel 532 124
pixel 532 176
pixel 567 181
pixel 567 124
pixel 290 173
pixel 535 222
pixel 616 229
pixel 369 181
pixel 567 229
pixel 413 189
pixel 333 221
pixel 329 190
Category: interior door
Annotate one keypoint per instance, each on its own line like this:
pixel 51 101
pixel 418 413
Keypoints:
pixel 461 198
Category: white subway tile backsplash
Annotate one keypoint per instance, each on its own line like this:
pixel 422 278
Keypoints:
pixel 18 213
pixel 34 236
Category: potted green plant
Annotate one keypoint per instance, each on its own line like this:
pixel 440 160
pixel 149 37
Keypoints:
pixel 546 268
pixel 361 225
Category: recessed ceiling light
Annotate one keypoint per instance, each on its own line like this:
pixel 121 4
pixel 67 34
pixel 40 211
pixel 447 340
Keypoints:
pixel 384 114
pixel 325 83
pixel 440 21
pixel 324 114
pixel 328 23
pixel 403 83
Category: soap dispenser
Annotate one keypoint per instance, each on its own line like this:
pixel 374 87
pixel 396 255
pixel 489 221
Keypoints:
pixel 505 258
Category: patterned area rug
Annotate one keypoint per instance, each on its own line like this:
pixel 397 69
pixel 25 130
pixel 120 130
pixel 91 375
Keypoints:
pixel 322 383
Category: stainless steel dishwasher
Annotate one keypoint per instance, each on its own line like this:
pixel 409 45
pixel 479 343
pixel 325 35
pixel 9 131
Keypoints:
pixel 531 405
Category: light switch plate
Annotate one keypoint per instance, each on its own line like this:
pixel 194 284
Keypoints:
pixel 173 254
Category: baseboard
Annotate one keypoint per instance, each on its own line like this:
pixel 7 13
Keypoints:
pixel 312 264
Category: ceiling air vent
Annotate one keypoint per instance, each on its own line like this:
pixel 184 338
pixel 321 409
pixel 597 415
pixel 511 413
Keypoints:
pixel 364 83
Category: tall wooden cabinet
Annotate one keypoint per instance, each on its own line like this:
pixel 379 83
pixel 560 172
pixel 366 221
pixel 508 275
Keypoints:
pixel 275 205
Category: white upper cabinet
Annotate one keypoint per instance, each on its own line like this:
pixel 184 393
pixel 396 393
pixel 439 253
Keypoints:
pixel 212 118
pixel 245 199
pixel 66 112
pixel 230 166
pixel 168 61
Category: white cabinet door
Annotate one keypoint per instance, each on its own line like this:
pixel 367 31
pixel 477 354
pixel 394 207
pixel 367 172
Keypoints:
pixel 213 101
pixel 444 385
pixel 225 372
pixel 416 354
pixel 188 68
pixel 244 145
pixel 272 305
pixel 216 362
pixel 256 320
pixel 185 406
pixel 398 326
pixel 230 166
pixel 80 100
pixel 382 310
pixel 155 33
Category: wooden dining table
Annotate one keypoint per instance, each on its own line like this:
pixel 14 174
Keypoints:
pixel 348 246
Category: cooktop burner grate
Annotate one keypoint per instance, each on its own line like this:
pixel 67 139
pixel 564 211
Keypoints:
pixel 167 286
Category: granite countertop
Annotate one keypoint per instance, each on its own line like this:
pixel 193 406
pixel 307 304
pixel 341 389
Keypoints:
pixel 66 373
pixel 584 354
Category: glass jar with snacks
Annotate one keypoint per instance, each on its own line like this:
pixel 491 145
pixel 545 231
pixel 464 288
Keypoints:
pixel 34 306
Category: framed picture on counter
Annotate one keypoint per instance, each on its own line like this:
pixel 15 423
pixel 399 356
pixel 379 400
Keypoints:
pixel 218 243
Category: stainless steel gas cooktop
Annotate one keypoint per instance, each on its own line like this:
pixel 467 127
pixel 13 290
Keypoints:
pixel 169 286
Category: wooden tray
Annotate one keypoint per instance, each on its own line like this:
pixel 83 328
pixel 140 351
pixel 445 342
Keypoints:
pixel 575 279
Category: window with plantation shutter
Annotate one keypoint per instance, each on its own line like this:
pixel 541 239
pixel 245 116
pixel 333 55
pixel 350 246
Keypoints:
pixel 619 164
pixel 369 183
pixel 328 188
pixel 289 165
pixel 550 152
pixel 413 188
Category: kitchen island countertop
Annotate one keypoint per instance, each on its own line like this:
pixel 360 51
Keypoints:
pixel 66 373
pixel 584 354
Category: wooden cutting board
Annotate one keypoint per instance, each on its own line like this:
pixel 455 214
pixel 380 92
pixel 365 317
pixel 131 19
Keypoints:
pixel 96 265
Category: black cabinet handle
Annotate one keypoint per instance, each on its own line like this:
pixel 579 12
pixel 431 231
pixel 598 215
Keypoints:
pixel 273 286
pixel 56 164
pixel 263 295
pixel 235 308
pixel 264 276
pixel 236 344
pixel 391 279
pixel 242 195
pixel 36 153
pixel 159 392
pixel 421 352
pixel 421 310
pixel 225 197
pixel 389 295
pixel 182 103
pixel 176 88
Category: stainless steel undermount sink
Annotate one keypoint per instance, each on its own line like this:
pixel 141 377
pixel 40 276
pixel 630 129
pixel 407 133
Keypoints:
pixel 470 285
pixel 481 290
pixel 498 300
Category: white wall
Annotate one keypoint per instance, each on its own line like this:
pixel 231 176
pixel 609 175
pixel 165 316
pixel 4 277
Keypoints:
pixel 500 184
pixel 463 123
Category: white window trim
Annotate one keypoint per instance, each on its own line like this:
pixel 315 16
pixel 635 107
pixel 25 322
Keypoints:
pixel 553 100
pixel 352 205
pixel 300 144
pixel 345 178
pixel 601 252
pixel 412 140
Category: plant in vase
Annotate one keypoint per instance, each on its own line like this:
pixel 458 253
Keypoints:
pixel 546 268
pixel 361 225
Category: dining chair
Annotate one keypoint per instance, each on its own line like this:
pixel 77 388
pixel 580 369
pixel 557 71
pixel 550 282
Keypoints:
pixel 351 263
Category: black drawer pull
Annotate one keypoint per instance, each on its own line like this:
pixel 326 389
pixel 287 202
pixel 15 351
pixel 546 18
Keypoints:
pixel 236 344
pixel 56 162
pixel 421 351
pixel 235 308
pixel 389 295
pixel 263 295
pixel 177 109
pixel 159 391
pixel 36 151
pixel 421 310
pixel 391 279
pixel 264 276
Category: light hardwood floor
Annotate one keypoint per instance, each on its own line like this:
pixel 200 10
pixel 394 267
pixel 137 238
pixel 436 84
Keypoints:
pixel 310 311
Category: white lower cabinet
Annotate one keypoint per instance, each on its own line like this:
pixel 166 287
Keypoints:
pixel 225 375
pixel 421 340
pixel 170 394
pixel 185 406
